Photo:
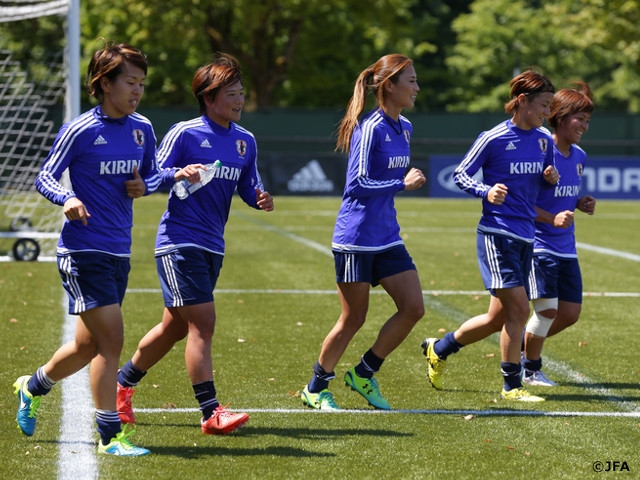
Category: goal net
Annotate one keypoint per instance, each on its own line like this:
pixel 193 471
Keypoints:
pixel 32 94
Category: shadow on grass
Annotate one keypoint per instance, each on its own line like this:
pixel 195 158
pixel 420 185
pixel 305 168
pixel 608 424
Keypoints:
pixel 319 433
pixel 218 451
pixel 193 451
pixel 297 433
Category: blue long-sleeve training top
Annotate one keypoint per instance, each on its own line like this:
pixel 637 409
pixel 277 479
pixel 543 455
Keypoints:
pixel 199 220
pixel 379 157
pixel 516 158
pixel 100 153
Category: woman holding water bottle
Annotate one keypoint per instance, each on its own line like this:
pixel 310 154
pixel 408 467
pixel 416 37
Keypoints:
pixel 221 157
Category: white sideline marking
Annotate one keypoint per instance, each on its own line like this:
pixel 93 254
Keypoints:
pixel 589 386
pixel 435 293
pixel 77 447
pixel 479 413
pixel 609 251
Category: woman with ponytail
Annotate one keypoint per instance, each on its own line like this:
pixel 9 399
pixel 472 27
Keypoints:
pixel 367 247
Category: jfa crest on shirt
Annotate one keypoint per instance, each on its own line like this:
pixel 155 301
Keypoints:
pixel 543 144
pixel 241 147
pixel 138 136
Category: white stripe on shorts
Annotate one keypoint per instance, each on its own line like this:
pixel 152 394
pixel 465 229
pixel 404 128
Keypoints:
pixel 170 275
pixel 349 268
pixel 494 265
pixel 533 285
pixel 72 282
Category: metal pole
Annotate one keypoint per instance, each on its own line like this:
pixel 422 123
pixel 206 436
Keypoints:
pixel 72 101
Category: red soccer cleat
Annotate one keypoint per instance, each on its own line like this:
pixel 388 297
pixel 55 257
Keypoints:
pixel 123 404
pixel 223 421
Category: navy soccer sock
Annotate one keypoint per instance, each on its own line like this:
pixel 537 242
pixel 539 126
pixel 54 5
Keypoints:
pixel 108 425
pixel 129 375
pixel 511 375
pixel 320 379
pixel 532 365
pixel 40 383
pixel 369 364
pixel 205 394
pixel 446 346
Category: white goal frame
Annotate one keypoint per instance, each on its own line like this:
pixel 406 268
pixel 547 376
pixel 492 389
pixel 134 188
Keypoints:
pixel 27 136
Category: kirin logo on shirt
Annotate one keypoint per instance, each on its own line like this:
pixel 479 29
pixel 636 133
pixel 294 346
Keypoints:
pixel 138 136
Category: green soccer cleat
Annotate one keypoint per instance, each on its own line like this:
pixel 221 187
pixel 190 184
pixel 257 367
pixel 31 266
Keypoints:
pixel 520 395
pixel 368 388
pixel 27 406
pixel 121 446
pixel 435 366
pixel 322 400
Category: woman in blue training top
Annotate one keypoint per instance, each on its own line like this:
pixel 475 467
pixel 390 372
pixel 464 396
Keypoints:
pixel 558 302
pixel 516 157
pixel 367 246
pixel 190 241
pixel 110 154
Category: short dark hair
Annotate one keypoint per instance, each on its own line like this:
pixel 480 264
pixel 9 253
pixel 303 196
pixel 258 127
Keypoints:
pixel 107 63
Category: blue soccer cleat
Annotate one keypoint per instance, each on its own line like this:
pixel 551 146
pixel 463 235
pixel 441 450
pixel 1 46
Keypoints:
pixel 27 406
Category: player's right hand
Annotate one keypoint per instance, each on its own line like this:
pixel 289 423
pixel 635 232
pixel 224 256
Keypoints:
pixel 563 219
pixel 74 209
pixel 414 179
pixel 497 194
pixel 190 172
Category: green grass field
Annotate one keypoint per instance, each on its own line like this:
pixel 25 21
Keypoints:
pixel 276 301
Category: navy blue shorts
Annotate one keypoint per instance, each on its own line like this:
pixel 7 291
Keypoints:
pixel 557 277
pixel 371 267
pixel 505 262
pixel 93 279
pixel 188 276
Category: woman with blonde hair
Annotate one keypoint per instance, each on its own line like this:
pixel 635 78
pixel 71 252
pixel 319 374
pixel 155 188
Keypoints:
pixel 367 247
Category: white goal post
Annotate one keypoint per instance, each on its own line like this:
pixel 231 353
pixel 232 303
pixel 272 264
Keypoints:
pixel 29 224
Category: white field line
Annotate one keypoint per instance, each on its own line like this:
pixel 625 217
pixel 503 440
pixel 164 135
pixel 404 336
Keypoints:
pixel 478 413
pixel 77 448
pixel 435 293
pixel 608 251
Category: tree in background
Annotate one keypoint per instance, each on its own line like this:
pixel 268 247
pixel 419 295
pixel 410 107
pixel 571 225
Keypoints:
pixel 593 40
pixel 305 53
pixel 293 52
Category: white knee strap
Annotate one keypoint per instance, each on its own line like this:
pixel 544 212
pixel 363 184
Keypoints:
pixel 542 304
pixel 539 325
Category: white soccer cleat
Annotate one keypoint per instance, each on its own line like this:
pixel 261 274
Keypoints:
pixel 537 379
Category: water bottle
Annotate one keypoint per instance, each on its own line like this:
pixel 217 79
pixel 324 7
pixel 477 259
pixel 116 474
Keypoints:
pixel 184 188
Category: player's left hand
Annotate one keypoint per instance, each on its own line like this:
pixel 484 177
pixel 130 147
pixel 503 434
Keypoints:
pixel 587 204
pixel 551 175
pixel 135 187
pixel 264 200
